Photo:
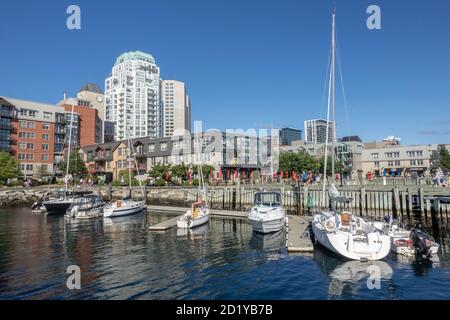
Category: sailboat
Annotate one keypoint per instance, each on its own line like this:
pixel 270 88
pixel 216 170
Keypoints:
pixel 63 199
pixel 199 212
pixel 343 232
pixel 126 206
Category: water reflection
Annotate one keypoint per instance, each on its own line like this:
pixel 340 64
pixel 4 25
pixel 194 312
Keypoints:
pixel 271 241
pixel 347 277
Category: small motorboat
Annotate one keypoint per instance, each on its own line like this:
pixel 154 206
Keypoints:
pixel 423 243
pixel 194 217
pixel 267 214
pixel 86 207
pixel 400 238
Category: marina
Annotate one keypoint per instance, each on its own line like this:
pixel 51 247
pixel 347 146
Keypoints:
pixel 222 260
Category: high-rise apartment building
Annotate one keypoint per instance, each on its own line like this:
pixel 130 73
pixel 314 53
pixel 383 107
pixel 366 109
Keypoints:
pixel 287 135
pixel 176 108
pixel 132 96
pixel 316 131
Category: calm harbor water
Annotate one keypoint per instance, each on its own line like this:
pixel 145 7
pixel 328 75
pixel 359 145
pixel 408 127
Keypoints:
pixel 120 259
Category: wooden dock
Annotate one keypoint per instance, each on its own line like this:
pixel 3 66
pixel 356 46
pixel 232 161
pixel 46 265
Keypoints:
pixel 168 224
pixel 165 225
pixel 297 235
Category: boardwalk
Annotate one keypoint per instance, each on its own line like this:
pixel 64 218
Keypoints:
pixel 298 236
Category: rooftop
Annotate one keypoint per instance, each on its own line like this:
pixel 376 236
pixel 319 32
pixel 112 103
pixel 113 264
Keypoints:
pixel 135 55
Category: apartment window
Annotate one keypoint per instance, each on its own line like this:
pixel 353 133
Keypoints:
pixel 377 164
pixel 108 153
pixel 374 155
pixel 47 115
pixel 397 162
pixel 31 125
pixel 45 136
pixel 22 145
pixel 31 135
pixel 46 126
pixel 392 154
pixel 44 157
pixel 22 134
pixel 163 146
pixel 21 156
pixel 29 167
pixel 30 156
pixel 30 146
pixel 413 162
pixel 44 167
pixel 119 151
pixel 45 146
pixel 420 162
pixel 390 163
pixel 151 147
pixel 22 124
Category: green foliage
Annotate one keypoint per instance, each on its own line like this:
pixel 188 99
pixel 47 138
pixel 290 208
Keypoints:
pixel 444 156
pixel 298 162
pixel 9 167
pixel 124 176
pixel 76 166
pixel 160 182
pixel 338 165
pixel 180 171
pixel 159 171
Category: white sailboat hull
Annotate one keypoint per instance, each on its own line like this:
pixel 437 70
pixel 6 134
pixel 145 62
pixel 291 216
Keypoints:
pixel 187 222
pixel 370 246
pixel 123 208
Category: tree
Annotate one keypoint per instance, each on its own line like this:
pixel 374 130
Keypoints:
pixel 76 166
pixel 206 168
pixel 298 162
pixel 444 160
pixel 337 165
pixel 9 167
pixel 159 171
pixel 180 171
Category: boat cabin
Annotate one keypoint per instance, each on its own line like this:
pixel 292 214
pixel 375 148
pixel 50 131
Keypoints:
pixel 267 199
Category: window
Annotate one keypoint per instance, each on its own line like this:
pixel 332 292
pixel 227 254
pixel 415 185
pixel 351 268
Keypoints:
pixel 390 163
pixel 44 167
pixel 30 146
pixel 374 155
pixel 21 156
pixel 30 156
pixel 163 146
pixel 22 134
pixel 420 162
pixel 119 151
pixel 413 162
pixel 45 146
pixel 29 167
pixel 45 136
pixel 397 162
pixel 22 145
pixel 377 164
pixel 31 125
pixel 47 115
pixel 31 135
pixel 46 126
pixel 151 147
pixel 22 124
pixel 392 154
pixel 44 157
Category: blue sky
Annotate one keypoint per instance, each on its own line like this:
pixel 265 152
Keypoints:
pixel 248 63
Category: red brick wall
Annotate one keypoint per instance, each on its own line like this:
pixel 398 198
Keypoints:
pixel 88 119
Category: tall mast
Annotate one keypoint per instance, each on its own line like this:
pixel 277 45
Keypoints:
pixel 330 105
pixel 129 163
pixel 333 151
pixel 68 149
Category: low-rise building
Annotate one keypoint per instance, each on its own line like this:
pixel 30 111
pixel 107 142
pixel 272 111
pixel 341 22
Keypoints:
pixel 397 160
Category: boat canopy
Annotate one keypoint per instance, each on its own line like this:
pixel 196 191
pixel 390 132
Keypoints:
pixel 268 199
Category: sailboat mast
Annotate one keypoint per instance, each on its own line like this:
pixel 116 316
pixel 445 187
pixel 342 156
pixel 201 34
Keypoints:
pixel 329 105
pixel 333 151
pixel 129 163
pixel 68 149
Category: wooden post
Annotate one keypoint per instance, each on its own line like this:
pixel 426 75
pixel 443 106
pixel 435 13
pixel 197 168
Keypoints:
pixel 110 193
pixel 145 193
pixel 363 201
pixel 410 208
pixel 397 210
pixel 421 202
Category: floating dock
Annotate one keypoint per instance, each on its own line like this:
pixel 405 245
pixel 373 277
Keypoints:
pixel 298 234
pixel 168 224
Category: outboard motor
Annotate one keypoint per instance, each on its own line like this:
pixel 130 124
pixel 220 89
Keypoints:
pixel 421 242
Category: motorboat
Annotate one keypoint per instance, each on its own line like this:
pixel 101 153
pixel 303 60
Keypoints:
pixel 124 207
pixel 86 207
pixel 267 214
pixel 400 238
pixel 424 244
pixel 62 200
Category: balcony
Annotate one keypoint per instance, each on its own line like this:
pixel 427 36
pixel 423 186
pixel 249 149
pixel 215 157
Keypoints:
pixel 7 114
pixel 4 125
